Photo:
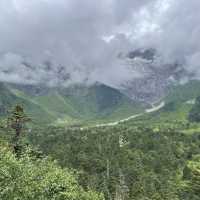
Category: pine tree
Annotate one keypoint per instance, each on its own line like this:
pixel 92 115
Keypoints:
pixel 17 121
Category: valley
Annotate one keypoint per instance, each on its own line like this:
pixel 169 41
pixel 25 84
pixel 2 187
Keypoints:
pixel 146 151
pixel 99 100
pixel 151 110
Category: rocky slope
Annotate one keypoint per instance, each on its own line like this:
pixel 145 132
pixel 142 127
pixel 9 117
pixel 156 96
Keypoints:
pixel 155 78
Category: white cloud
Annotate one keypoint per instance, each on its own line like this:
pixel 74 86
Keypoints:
pixel 83 38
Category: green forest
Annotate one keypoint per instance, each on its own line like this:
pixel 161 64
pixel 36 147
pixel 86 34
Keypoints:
pixel 99 99
pixel 152 157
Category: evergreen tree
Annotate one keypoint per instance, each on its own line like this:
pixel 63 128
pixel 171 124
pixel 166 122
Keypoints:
pixel 17 121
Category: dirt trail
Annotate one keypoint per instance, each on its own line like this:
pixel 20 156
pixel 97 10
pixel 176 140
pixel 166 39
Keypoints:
pixel 151 110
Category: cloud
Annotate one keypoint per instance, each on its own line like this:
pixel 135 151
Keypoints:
pixel 73 41
pixel 175 30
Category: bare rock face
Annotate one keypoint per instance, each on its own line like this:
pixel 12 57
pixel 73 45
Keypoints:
pixel 155 79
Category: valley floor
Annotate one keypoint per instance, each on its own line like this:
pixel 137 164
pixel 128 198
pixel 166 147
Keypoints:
pixel 151 110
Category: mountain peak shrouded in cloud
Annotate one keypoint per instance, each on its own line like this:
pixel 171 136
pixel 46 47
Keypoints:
pixel 63 42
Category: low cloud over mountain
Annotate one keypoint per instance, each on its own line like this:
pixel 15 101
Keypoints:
pixel 62 42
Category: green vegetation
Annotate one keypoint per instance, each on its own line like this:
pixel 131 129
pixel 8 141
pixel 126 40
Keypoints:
pixel 184 93
pixel 194 114
pixel 8 99
pixel 26 174
pixel 31 178
pixel 192 178
pixel 16 121
pixel 124 161
pixel 153 157
pixel 73 106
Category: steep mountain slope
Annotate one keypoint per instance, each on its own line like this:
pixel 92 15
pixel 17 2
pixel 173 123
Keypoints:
pixel 8 99
pixel 184 92
pixel 69 105
pixel 178 103
pixel 194 115
pixel 154 75
pixel 180 100
pixel 100 101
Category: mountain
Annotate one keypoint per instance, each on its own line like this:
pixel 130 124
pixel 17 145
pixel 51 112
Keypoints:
pixel 184 92
pixel 179 102
pixel 155 76
pixel 194 114
pixel 181 98
pixel 74 104
pixel 10 97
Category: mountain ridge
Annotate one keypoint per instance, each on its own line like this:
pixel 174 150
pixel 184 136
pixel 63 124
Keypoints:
pixel 69 105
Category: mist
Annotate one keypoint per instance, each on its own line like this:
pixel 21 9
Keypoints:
pixel 65 42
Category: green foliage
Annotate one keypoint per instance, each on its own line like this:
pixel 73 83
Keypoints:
pixel 191 183
pixel 9 97
pixel 138 163
pixel 69 105
pixel 194 115
pixel 130 161
pixel 153 157
pixel 183 93
pixel 17 121
pixel 29 178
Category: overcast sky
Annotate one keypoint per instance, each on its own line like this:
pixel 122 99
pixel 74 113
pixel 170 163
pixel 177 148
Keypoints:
pixel 82 38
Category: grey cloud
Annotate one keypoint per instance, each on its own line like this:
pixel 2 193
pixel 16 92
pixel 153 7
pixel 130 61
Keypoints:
pixel 68 34
pixel 177 33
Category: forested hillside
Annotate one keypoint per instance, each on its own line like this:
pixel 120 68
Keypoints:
pixel 128 162
pixel 144 158
pixel 99 100
pixel 73 105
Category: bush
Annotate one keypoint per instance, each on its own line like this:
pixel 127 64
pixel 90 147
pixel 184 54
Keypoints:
pixel 26 178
